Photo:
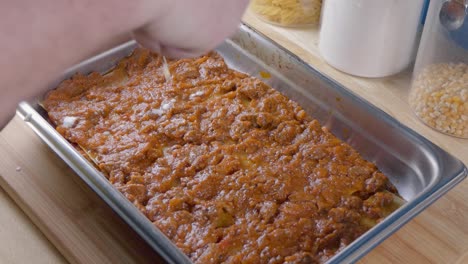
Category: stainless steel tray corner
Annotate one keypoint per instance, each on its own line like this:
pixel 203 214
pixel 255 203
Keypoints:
pixel 421 171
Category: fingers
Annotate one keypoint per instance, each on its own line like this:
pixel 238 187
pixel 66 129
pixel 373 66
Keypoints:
pixel 177 53
pixel 147 40
pixel 191 28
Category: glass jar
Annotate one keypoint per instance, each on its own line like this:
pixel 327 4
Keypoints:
pixel 439 89
pixel 288 12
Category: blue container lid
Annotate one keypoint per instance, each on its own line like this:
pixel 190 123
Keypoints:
pixel 460 36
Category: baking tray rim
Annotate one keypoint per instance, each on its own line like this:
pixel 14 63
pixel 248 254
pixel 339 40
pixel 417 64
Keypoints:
pixel 165 247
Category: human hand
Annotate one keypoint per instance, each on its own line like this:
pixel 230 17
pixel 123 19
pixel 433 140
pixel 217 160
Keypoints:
pixel 188 28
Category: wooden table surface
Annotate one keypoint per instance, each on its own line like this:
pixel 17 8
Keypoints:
pixel 62 221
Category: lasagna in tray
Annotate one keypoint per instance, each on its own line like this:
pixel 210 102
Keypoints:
pixel 226 167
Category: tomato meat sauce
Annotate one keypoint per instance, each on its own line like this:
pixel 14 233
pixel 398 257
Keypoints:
pixel 229 169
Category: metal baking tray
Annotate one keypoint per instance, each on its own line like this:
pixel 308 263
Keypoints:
pixel 421 171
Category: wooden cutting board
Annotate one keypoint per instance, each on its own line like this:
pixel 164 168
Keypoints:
pixel 85 230
pixel 82 227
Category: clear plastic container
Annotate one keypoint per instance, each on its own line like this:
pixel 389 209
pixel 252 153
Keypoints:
pixel 439 90
pixel 288 12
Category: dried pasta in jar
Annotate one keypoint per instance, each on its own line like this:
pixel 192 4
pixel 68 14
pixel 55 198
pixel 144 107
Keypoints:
pixel 288 12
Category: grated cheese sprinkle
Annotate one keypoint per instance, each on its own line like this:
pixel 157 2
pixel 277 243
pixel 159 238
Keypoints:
pixel 69 121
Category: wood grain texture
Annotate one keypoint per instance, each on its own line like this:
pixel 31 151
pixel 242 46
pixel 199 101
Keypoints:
pixel 17 231
pixel 74 219
pixel 85 230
